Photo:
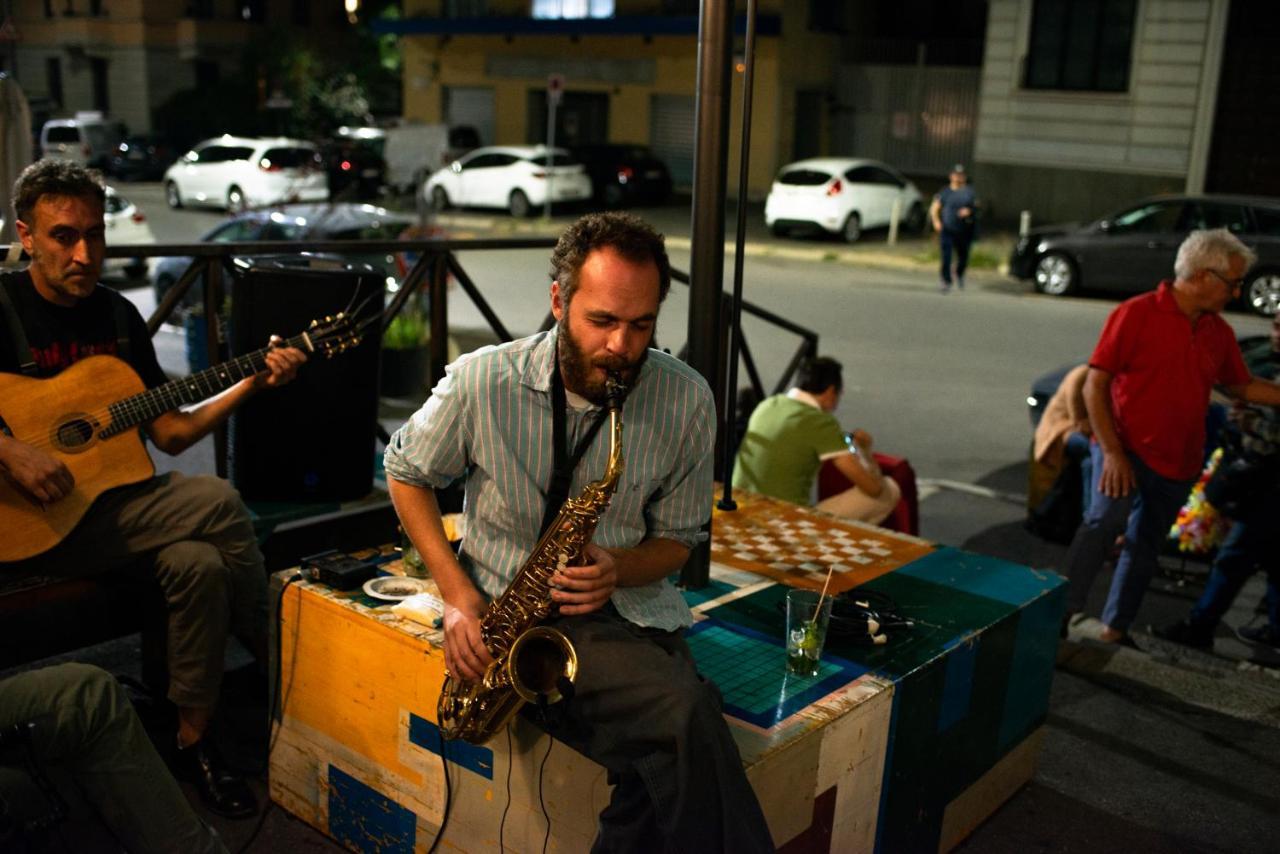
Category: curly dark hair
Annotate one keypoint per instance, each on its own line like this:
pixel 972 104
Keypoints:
pixel 820 373
pixel 55 178
pixel 625 233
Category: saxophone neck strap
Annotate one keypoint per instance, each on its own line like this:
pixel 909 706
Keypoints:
pixel 563 465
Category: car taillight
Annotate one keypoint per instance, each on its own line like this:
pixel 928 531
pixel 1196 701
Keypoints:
pixel 138 217
pixel 625 173
pixel 267 166
pixel 539 174
pixel 345 166
pixel 834 189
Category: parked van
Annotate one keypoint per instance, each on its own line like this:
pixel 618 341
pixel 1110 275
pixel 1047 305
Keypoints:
pixel 88 139
pixel 413 151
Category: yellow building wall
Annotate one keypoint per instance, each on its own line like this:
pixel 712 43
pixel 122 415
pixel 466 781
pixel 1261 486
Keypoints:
pixel 800 59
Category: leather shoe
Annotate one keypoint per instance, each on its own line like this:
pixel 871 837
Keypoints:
pixel 222 791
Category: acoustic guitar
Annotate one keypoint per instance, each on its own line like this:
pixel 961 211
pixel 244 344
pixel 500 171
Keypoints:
pixel 87 417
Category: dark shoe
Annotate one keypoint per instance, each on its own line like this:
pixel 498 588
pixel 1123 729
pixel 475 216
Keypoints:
pixel 1186 633
pixel 222 791
pixel 1264 635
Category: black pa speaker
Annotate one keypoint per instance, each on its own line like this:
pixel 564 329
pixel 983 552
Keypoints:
pixel 313 439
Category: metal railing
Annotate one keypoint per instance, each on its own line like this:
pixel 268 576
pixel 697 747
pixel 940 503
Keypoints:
pixel 436 261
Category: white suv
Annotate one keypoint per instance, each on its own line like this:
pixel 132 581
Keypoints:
pixel 236 173
pixel 514 177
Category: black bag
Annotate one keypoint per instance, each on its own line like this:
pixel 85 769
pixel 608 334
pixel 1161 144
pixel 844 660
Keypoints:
pixel 1240 481
pixel 1058 514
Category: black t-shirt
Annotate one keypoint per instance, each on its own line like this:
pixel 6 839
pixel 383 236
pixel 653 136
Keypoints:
pixel 59 336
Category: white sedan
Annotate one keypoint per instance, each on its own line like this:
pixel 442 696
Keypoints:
pixel 516 177
pixel 125 224
pixel 841 195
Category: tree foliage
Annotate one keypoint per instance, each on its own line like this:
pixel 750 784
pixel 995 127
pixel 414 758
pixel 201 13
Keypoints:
pixel 286 83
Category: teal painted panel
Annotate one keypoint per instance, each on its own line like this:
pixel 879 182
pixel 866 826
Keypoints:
pixel 981 575
pixel 1026 701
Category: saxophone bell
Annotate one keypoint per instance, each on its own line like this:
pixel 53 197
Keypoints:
pixel 539 662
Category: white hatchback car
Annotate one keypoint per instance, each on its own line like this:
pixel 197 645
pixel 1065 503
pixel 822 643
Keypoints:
pixel 237 173
pixel 125 224
pixel 515 177
pixel 841 195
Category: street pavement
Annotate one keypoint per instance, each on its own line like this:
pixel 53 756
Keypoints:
pixel 1151 749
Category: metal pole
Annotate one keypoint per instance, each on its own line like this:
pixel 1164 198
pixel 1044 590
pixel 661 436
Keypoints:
pixel 728 436
pixel 551 143
pixel 439 317
pixel 706 269
pixel 213 347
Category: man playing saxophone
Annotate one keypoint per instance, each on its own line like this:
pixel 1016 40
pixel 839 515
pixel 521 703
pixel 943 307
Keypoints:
pixel 638 705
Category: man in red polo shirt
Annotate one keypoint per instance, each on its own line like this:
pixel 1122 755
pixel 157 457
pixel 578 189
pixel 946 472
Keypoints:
pixel 1147 393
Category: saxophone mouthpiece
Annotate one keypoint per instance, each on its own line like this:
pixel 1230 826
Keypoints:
pixel 614 390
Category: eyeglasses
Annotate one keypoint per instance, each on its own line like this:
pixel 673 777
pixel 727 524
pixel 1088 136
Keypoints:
pixel 1233 284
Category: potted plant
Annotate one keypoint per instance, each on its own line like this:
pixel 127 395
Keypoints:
pixel 406 359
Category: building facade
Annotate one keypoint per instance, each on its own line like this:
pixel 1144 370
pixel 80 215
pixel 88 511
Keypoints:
pixel 630 77
pixel 124 58
pixel 1086 106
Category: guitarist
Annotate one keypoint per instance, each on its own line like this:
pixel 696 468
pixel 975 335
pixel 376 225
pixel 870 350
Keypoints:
pixel 195 530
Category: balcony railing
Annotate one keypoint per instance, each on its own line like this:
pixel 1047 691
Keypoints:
pixel 437 260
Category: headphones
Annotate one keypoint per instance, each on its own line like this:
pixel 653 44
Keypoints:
pixel 864 617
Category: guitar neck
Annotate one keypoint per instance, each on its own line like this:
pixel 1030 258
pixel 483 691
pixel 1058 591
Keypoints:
pixel 132 411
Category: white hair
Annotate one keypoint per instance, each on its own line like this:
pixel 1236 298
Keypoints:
pixel 1210 249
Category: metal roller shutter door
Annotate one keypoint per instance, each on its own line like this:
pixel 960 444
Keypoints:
pixel 471 105
pixel 671 135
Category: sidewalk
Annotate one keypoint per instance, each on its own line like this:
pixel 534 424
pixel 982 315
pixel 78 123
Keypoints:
pixel 910 252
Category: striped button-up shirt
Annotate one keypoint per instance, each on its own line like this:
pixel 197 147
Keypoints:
pixel 489 420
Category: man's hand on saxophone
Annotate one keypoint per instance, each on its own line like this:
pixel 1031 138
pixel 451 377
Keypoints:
pixel 583 589
pixel 465 654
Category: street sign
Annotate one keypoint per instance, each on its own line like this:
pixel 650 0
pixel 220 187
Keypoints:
pixel 9 33
pixel 555 89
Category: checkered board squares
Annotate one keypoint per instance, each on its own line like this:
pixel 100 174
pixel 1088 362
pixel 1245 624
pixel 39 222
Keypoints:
pixel 798 545
pixel 751 672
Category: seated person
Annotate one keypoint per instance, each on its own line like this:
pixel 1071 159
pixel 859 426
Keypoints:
pixel 790 435
pixel 1254 539
pixel 73 751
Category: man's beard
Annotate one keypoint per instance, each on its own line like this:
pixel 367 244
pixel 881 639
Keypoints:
pixel 576 367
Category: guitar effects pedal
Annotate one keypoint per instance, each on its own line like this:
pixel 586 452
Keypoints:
pixel 337 569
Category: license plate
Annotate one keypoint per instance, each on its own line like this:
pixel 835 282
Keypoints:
pixel 653 173
pixel 368 173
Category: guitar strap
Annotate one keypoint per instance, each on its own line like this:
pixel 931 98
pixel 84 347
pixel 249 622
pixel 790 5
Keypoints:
pixel 123 346
pixel 563 466
pixel 18 335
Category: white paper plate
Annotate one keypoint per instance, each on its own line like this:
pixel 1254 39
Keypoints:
pixel 393 588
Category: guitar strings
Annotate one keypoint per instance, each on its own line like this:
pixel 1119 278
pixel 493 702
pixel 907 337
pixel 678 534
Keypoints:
pixel 141 403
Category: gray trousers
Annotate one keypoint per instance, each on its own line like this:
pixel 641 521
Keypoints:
pixel 89 744
pixel 198 534
pixel 641 710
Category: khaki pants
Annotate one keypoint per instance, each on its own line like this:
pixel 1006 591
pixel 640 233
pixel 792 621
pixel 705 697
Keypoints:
pixel 83 736
pixel 200 539
pixel 853 503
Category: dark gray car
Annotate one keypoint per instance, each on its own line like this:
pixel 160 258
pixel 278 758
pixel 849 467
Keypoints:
pixel 1133 249
pixel 300 222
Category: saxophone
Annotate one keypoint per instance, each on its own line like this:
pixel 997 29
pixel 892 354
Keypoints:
pixel 530 661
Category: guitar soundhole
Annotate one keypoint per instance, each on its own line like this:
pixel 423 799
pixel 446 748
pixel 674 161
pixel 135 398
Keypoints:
pixel 75 434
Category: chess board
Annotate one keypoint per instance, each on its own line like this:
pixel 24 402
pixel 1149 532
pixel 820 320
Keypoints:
pixel 798 545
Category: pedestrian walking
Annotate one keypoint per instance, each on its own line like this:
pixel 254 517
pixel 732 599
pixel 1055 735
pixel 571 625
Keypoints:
pixel 954 213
